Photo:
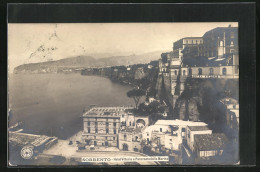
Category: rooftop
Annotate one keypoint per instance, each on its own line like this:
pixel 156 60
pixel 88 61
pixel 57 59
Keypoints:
pixel 24 138
pixel 108 111
pixel 198 128
pixel 180 123
pixel 210 141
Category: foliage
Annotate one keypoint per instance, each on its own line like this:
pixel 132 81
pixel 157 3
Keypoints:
pixel 136 94
pixel 153 107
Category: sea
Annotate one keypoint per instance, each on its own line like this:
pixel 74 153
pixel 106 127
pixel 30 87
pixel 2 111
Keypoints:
pixel 53 104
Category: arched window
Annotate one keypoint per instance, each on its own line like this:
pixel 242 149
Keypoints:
pixel 190 71
pixel 211 71
pixel 224 71
pixel 200 71
pixel 184 72
pixel 221 43
pixel 175 72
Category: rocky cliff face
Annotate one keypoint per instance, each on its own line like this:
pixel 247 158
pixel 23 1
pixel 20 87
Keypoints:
pixel 200 100
pixel 188 109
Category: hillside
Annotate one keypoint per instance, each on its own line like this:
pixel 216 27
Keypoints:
pixel 85 62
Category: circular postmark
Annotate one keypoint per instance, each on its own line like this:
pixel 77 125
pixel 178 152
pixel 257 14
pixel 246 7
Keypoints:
pixel 27 152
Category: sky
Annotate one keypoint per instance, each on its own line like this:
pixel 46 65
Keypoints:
pixel 94 38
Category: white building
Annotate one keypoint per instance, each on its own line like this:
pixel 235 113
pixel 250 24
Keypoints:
pixel 168 133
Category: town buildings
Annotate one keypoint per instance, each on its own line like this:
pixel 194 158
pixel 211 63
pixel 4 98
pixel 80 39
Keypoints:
pixel 169 133
pixel 120 127
pixel 214 55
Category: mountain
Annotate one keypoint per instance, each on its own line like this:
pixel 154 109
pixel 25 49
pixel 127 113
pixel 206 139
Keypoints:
pixel 85 62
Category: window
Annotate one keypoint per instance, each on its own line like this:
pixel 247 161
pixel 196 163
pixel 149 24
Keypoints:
pixel 232 35
pixel 130 123
pixel 147 134
pixel 114 138
pixel 190 71
pixel 88 130
pixel 95 143
pixel 221 43
pixel 125 137
pixel 232 43
pixel 114 131
pixel 136 137
pixel 96 130
pixel 160 129
pixel 107 130
pixel 107 124
pixel 114 124
pixel 183 130
pixel 170 140
pixel 232 50
pixel 211 71
pixel 95 123
pixel 106 138
pixel 175 72
pixel 88 123
pixel 184 72
pixel 224 71
pixel 200 71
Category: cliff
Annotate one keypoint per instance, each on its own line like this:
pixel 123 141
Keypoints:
pixel 200 100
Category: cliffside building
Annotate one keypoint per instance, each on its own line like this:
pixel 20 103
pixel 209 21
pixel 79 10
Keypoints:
pixel 215 55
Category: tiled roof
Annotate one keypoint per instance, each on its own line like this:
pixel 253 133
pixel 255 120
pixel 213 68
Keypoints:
pixel 210 141
pixel 107 111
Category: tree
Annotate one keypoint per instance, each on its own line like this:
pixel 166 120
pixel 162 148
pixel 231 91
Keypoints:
pixel 136 94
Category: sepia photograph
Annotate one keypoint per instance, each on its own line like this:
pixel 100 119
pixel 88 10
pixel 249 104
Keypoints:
pixel 120 94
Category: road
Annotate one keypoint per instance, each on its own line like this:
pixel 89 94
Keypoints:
pixel 70 151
